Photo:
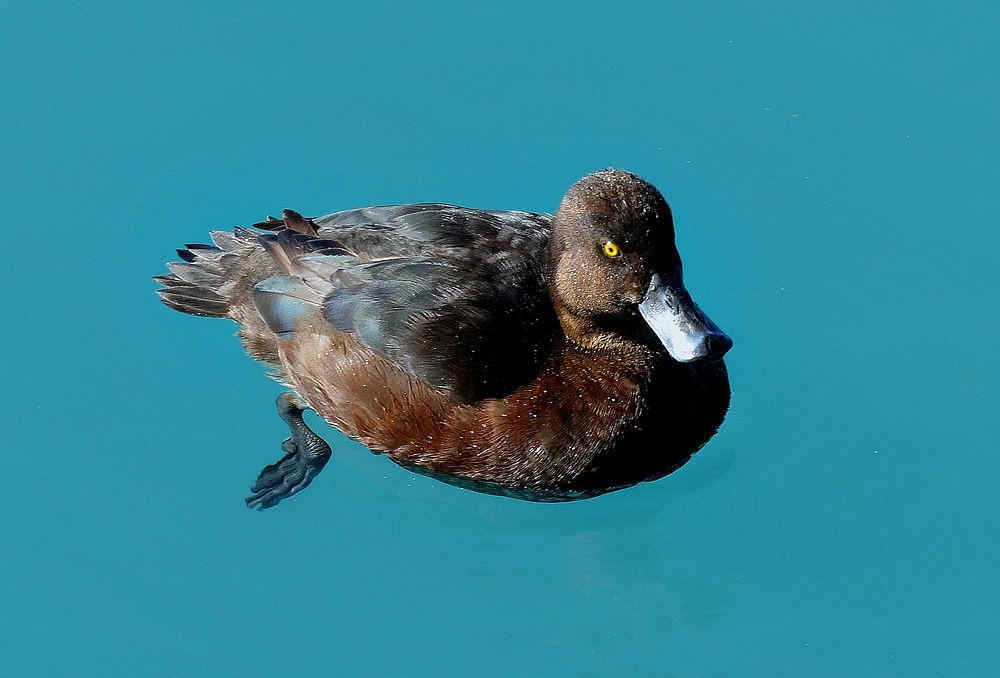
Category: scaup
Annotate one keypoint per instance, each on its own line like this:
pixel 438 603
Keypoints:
pixel 541 357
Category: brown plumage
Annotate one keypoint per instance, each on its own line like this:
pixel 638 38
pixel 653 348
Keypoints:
pixel 545 358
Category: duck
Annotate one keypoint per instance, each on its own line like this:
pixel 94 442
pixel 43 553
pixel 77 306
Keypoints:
pixel 534 356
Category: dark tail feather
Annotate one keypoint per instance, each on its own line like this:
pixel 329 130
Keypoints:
pixel 194 300
pixel 203 282
pixel 292 221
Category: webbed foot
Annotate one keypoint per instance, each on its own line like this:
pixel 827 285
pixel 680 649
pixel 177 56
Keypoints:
pixel 305 456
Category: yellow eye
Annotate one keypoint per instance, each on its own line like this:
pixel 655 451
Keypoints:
pixel 611 249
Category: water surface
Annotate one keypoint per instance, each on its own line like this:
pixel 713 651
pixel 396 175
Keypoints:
pixel 832 172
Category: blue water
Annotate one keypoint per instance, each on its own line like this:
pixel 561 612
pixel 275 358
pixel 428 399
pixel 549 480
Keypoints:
pixel 833 174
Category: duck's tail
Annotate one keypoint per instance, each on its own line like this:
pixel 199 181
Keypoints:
pixel 218 280
pixel 213 279
pixel 205 281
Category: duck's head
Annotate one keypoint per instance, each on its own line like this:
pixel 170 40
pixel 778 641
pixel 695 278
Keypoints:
pixel 612 257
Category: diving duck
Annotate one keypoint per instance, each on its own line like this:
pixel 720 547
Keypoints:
pixel 540 357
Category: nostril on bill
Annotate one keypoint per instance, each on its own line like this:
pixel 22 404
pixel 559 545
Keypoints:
pixel 717 345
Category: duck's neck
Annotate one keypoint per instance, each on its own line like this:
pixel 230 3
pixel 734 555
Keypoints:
pixel 613 343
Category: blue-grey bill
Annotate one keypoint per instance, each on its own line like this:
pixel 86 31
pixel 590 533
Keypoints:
pixel 683 328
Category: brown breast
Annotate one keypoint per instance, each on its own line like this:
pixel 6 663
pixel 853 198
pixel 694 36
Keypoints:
pixel 590 422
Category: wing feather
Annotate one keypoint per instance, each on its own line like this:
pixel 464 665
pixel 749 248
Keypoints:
pixel 455 297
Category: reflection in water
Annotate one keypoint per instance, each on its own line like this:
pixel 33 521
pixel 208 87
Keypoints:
pixel 630 576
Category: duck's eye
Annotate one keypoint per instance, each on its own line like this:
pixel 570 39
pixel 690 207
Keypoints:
pixel 611 249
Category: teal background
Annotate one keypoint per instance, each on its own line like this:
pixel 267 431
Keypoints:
pixel 833 173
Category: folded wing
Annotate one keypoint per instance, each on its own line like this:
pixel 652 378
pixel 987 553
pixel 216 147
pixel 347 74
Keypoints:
pixel 453 296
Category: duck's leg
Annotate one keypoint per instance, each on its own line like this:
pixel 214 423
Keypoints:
pixel 305 456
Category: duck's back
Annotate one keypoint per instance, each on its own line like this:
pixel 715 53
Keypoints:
pixel 455 296
pixel 395 230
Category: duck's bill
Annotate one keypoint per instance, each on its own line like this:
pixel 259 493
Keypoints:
pixel 685 331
